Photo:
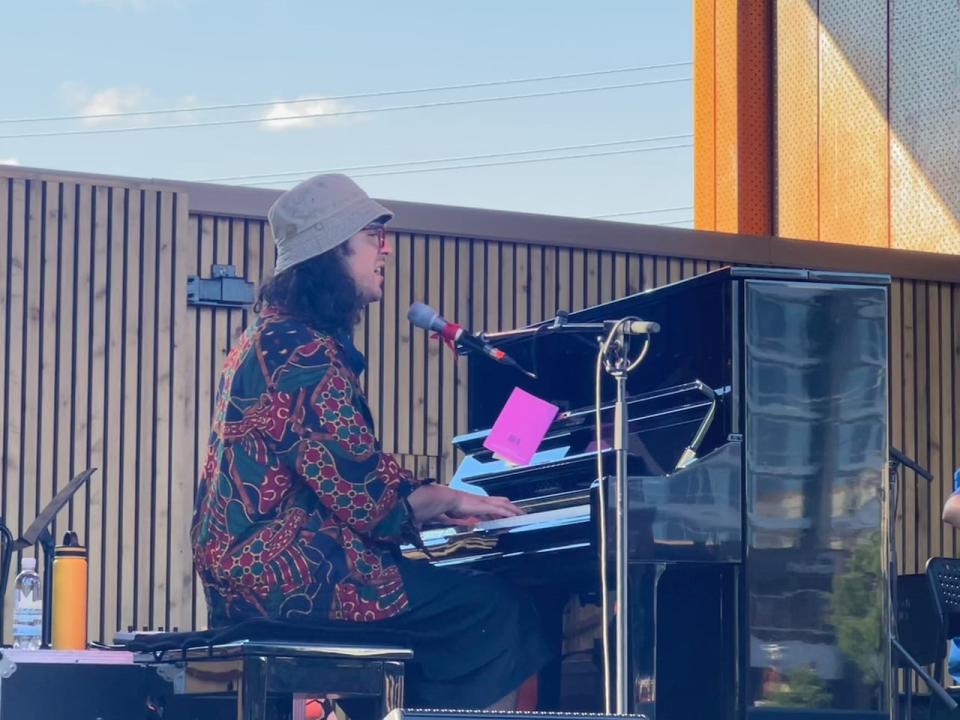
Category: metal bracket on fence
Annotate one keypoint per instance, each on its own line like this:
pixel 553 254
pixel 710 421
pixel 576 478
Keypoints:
pixel 224 289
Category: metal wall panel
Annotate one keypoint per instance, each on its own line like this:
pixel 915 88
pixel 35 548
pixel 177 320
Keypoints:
pixel 727 116
pixel 705 116
pixel 866 109
pixel 925 125
pixel 797 122
pixel 853 144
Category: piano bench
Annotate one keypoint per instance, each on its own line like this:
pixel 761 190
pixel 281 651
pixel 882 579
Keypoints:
pixel 288 672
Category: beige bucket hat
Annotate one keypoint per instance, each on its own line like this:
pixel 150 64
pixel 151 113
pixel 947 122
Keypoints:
pixel 318 215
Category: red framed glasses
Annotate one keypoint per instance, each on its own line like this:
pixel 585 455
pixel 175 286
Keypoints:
pixel 379 232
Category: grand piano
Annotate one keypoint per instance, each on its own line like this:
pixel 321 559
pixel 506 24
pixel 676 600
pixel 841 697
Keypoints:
pixel 757 569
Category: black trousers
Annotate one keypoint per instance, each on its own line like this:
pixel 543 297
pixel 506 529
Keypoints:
pixel 475 638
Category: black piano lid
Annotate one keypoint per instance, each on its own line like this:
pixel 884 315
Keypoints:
pixel 693 345
pixel 610 309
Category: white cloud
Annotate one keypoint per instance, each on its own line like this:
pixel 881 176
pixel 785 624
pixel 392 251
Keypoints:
pixel 105 102
pixel 9 161
pixel 298 115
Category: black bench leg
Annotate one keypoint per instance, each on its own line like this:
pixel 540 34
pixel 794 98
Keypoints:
pixel 252 698
pixel 392 694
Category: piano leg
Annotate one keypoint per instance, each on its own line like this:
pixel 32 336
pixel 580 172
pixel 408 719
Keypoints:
pixel 683 657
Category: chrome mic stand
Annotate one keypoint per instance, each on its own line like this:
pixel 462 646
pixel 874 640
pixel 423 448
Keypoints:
pixel 614 359
pixel 616 362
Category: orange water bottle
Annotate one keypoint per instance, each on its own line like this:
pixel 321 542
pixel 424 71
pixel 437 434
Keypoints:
pixel 70 594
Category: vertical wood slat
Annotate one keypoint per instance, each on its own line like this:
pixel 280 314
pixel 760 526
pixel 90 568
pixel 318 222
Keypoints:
pixel 895 382
pixel 390 353
pixel 46 460
pixel 949 456
pixel 447 362
pixel 96 378
pixel 402 370
pixel 182 470
pixel 924 425
pixel 433 379
pixel 112 434
pixel 64 347
pixel 908 443
pixel 145 531
pixel 32 239
pixel 160 566
pixel 129 414
pixel 950 350
pixel 12 496
pixel 416 394
pixel 462 308
pixel 200 236
pixel 506 312
pixel 550 282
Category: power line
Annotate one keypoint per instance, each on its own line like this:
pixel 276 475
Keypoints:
pixel 264 176
pixel 677 222
pixel 641 212
pixel 341 113
pixel 493 164
pixel 329 98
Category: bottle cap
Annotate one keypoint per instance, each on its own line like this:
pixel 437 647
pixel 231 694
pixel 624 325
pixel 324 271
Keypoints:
pixel 28 563
pixel 71 547
pixel 64 551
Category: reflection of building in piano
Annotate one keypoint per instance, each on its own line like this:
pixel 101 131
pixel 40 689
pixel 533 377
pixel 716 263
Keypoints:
pixel 740 561
pixel 821 399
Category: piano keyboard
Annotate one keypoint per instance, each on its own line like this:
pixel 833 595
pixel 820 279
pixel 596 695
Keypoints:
pixel 517 523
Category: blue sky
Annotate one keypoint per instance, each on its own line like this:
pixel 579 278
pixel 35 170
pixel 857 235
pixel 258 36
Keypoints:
pixel 90 56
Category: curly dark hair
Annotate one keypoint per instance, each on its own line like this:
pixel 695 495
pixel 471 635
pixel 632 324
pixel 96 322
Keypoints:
pixel 318 291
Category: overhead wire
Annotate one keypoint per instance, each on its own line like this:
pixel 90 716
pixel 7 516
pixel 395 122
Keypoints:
pixel 479 165
pixel 330 98
pixel 350 168
pixel 338 113
pixel 639 212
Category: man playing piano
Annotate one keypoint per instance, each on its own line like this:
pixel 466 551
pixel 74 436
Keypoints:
pixel 299 514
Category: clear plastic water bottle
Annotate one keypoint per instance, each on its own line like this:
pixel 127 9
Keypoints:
pixel 28 607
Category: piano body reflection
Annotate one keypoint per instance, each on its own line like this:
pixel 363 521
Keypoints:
pixel 744 562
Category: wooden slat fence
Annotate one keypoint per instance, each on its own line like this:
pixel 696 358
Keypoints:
pixel 92 321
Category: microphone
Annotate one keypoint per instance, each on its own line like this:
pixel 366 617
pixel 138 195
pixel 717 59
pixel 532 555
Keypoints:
pixel 424 316
pixel 638 327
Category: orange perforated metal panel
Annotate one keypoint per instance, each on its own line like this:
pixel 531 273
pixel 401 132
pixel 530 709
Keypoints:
pixel 733 117
pixel 704 117
pixel 727 155
pixel 754 120
pixel 925 125
pixel 853 128
pixel 797 109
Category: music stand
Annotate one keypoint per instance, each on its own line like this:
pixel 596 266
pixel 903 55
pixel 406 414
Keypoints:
pixel 39 532
pixel 897 458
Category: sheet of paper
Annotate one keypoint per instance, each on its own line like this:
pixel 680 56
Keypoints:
pixel 520 427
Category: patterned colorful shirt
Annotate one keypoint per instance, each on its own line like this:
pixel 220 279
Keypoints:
pixel 299 513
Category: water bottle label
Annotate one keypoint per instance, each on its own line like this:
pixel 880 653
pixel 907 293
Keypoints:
pixel 27 621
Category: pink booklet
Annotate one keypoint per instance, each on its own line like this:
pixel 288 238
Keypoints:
pixel 520 427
